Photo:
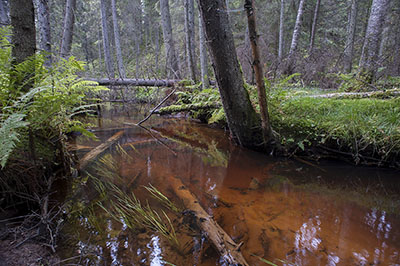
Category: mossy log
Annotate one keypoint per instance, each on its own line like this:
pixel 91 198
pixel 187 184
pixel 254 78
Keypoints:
pixel 360 95
pixel 229 250
pixel 188 107
pixel 93 154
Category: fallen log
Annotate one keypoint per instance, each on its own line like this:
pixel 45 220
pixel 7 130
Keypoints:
pixel 136 82
pixel 360 95
pixel 93 154
pixel 188 107
pixel 229 250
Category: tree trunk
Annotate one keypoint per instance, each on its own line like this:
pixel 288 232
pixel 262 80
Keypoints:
pixel 291 59
pixel 369 56
pixel 203 56
pixel 396 60
pixel 68 29
pixel 190 38
pixel 281 30
pixel 351 30
pixel 262 98
pixel 170 54
pixel 24 34
pixel 242 120
pixel 314 27
pixel 43 19
pixel 121 68
pixel 4 13
pixel 108 59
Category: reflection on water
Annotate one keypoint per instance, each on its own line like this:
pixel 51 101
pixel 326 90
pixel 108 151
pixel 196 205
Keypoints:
pixel 284 211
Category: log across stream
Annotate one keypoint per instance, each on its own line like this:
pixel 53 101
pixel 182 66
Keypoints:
pixel 281 211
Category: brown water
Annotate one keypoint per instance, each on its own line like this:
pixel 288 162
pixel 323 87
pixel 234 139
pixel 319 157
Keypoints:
pixel 289 212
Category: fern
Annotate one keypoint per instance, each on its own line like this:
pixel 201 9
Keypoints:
pixel 9 135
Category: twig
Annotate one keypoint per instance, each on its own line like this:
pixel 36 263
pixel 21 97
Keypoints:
pixel 158 105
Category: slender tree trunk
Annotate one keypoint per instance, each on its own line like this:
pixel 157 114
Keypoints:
pixel 169 44
pixel 190 38
pixel 243 122
pixel 351 31
pixel 281 30
pixel 121 68
pixel 43 19
pixel 396 59
pixel 108 59
pixel 24 34
pixel 203 55
pixel 369 56
pixel 68 29
pixel 262 98
pixel 314 27
pixel 4 13
pixel 291 59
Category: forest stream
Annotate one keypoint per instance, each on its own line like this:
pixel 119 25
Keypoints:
pixel 285 211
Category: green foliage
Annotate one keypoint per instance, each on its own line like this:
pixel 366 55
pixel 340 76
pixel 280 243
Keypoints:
pixel 45 99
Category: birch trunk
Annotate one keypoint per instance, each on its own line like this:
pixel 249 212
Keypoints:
pixel 169 44
pixel 108 59
pixel 297 27
pixel 43 19
pixel 314 27
pixel 370 51
pixel 4 13
pixel 203 56
pixel 242 120
pixel 262 98
pixel 120 63
pixel 351 30
pixel 281 30
pixel 190 38
pixel 68 29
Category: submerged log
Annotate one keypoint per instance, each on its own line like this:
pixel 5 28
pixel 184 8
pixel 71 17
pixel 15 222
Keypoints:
pixel 229 250
pixel 93 154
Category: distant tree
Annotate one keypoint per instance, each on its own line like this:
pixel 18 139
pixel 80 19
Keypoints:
pixel 203 55
pixel 169 43
pixel 372 39
pixel 314 26
pixel 121 68
pixel 350 34
pixel 43 21
pixel 243 122
pixel 68 28
pixel 4 13
pixel 190 38
pixel 281 30
pixel 108 59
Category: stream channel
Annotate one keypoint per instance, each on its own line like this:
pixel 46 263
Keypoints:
pixel 286 211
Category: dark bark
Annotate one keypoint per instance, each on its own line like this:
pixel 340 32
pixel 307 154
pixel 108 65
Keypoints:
pixel 373 35
pixel 243 122
pixel 68 29
pixel 203 55
pixel 190 38
pixel 281 28
pixel 262 98
pixel 121 68
pixel 351 30
pixel 314 26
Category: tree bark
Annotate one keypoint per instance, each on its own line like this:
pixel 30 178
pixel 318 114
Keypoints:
pixel 243 122
pixel 43 19
pixel 68 29
pixel 121 68
pixel 370 51
pixel 314 27
pixel 4 13
pixel 190 38
pixel 281 30
pixel 169 44
pixel 24 33
pixel 203 56
pixel 262 98
pixel 351 30
pixel 396 60
pixel 108 59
